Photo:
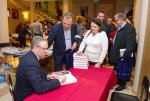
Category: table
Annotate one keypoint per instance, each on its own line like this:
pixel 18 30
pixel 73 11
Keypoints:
pixel 14 39
pixel 92 85
pixel 16 52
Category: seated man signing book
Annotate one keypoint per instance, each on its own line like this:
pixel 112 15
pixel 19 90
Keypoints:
pixel 29 77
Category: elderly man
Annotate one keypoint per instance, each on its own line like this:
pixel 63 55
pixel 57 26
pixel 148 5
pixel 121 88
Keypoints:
pixel 124 39
pixel 62 35
pixel 30 77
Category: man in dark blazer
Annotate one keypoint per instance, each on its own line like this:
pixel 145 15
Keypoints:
pixel 29 77
pixel 62 35
pixel 125 38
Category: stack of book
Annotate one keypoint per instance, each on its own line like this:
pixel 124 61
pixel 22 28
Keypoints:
pixel 80 61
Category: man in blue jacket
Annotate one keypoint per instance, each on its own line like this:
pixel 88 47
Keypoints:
pixel 62 35
pixel 30 77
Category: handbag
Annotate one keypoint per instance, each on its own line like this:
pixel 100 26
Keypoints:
pixel 124 68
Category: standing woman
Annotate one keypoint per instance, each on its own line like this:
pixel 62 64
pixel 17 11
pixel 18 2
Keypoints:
pixel 95 43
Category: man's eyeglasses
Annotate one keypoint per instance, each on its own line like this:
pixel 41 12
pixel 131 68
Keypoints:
pixel 101 16
pixel 66 24
pixel 42 48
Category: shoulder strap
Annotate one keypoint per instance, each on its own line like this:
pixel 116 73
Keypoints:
pixel 88 34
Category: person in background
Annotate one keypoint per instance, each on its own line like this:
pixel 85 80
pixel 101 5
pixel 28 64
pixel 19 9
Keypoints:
pixel 80 29
pixel 125 38
pixel 30 78
pixel 95 43
pixel 58 9
pixel 19 26
pixel 36 28
pixel 110 30
pixel 22 36
pixel 101 17
pixel 63 36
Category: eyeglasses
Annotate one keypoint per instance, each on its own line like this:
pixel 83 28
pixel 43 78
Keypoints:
pixel 42 48
pixel 66 24
pixel 101 16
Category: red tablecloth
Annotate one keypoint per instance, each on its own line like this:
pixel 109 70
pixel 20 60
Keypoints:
pixel 92 85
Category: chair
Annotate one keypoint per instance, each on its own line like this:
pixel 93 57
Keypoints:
pixel 9 81
pixel 116 96
pixel 145 89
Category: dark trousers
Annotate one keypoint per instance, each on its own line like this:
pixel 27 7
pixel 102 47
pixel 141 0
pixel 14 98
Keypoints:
pixel 22 41
pixel 66 58
pixel 121 82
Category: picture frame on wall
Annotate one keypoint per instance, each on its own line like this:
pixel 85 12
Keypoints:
pixel 15 14
pixel 84 11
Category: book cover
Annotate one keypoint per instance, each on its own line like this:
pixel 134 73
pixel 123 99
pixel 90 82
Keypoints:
pixel 69 77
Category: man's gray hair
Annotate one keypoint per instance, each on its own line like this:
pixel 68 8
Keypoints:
pixel 69 15
pixel 121 16
pixel 37 40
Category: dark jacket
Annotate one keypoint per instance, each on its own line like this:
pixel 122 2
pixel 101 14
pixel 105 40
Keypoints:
pixel 125 39
pixel 31 79
pixel 57 36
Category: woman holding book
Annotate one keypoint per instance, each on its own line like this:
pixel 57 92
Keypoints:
pixel 95 43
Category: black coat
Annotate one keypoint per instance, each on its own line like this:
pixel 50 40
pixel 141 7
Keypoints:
pixel 125 39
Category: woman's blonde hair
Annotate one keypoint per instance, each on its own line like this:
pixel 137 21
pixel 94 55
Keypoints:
pixel 79 19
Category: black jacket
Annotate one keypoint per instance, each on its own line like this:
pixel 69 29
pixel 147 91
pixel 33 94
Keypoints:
pixel 125 39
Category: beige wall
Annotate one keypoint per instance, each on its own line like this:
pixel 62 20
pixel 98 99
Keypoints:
pixel 14 22
pixel 4 37
pixel 77 4
pixel 145 66
pixel 109 7
pixel 121 5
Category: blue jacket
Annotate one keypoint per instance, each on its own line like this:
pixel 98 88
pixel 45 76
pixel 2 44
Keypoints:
pixel 57 36
pixel 31 79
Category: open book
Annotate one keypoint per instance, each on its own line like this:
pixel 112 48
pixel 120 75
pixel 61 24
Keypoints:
pixel 69 77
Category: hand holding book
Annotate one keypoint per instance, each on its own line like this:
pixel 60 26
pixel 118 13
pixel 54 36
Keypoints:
pixel 52 76
pixel 55 75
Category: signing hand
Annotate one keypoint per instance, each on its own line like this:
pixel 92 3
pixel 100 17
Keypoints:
pixel 52 76
pixel 62 79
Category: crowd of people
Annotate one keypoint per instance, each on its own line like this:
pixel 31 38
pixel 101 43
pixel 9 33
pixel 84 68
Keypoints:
pixel 67 37
pixel 29 30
